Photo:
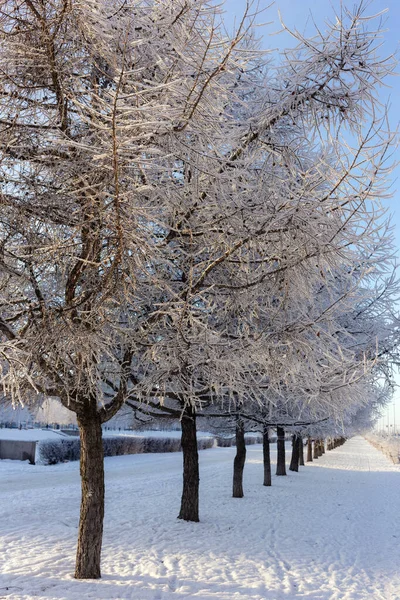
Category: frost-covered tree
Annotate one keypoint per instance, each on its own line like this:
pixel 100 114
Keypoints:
pixel 165 198
pixel 348 347
pixel 268 211
pixel 266 215
pixel 99 103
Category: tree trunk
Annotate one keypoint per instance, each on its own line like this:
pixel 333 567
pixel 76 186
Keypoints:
pixel 92 502
pixel 281 460
pixel 190 493
pixel 309 449
pixel 319 448
pixel 294 462
pixel 301 450
pixel 238 463
pixel 316 453
pixel 266 458
pixel 322 447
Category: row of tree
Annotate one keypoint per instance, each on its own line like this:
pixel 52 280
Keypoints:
pixel 190 227
pixel 297 456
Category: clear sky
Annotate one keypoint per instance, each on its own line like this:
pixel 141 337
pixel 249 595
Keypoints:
pixel 301 14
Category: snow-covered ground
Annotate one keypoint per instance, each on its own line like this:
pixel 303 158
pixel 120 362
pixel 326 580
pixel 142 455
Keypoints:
pixel 152 433
pixel 31 435
pixel 388 444
pixel 330 532
pixel 45 434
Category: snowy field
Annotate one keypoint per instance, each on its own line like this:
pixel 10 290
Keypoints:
pixel 47 434
pixel 330 532
pixel 31 435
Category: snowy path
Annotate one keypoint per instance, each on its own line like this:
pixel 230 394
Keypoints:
pixel 330 532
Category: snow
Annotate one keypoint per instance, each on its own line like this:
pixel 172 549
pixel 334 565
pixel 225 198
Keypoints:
pixel 31 435
pixel 45 434
pixel 152 433
pixel 329 532
pixel 388 444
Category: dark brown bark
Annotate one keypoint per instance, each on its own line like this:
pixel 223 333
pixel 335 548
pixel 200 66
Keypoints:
pixel 190 492
pixel 301 450
pixel 318 445
pixel 281 459
pixel 322 447
pixel 92 502
pixel 294 462
pixel 266 458
pixel 90 418
pixel 319 448
pixel 309 450
pixel 316 452
pixel 240 459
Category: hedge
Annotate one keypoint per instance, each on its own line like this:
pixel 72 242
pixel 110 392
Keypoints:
pixel 227 442
pixel 51 452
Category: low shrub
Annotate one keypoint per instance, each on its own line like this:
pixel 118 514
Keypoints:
pixel 51 452
pixel 253 439
pixel 205 443
pixel 227 442
pixel 120 445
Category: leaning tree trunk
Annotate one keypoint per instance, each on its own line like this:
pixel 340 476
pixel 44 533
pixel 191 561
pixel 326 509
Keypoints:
pixel 309 449
pixel 92 502
pixel 190 493
pixel 266 458
pixel 240 459
pixel 294 463
pixel 301 450
pixel 281 459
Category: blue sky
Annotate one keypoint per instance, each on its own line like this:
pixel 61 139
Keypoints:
pixel 300 14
